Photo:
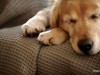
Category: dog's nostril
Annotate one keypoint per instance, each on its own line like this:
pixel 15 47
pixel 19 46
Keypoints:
pixel 85 45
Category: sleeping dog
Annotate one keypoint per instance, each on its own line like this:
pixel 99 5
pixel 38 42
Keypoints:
pixel 77 19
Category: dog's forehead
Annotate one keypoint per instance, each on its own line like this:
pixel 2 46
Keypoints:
pixel 90 6
pixel 81 4
pixel 75 7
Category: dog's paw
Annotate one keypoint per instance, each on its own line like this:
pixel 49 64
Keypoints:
pixel 33 27
pixel 51 37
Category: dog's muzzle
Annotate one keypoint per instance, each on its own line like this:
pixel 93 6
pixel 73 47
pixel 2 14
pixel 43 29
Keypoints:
pixel 85 45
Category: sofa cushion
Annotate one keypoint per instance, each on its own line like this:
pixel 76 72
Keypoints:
pixel 21 55
pixel 63 60
pixel 17 53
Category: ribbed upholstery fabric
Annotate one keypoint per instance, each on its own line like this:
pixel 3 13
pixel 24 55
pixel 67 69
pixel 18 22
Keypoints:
pixel 17 53
pixel 25 56
pixel 11 9
pixel 62 60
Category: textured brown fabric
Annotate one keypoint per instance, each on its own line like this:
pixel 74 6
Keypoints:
pixel 25 56
pixel 17 53
pixel 19 11
pixel 62 60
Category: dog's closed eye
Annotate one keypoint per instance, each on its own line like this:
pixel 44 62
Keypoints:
pixel 71 21
pixel 95 16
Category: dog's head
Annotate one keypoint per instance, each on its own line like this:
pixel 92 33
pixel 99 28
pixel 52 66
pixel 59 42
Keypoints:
pixel 81 19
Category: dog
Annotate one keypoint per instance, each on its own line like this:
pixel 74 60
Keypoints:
pixel 78 20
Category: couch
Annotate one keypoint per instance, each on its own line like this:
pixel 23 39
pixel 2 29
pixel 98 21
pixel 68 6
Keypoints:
pixel 20 55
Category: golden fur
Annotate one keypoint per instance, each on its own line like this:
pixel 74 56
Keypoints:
pixel 78 19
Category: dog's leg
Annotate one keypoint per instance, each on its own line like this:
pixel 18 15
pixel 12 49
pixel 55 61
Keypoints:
pixel 38 23
pixel 53 36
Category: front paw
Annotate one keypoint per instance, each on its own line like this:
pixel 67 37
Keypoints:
pixel 45 38
pixel 52 37
pixel 32 27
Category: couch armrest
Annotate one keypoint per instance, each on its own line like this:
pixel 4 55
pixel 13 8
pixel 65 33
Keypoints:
pixel 17 53
pixel 62 60
pixel 24 56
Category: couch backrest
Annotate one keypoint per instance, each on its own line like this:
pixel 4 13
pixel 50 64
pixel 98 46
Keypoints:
pixel 15 12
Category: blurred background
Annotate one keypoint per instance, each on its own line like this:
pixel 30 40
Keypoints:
pixel 17 12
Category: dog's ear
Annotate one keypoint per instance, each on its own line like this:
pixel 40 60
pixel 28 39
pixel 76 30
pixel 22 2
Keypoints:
pixel 55 14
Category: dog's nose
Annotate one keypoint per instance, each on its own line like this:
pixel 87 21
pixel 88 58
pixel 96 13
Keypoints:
pixel 85 45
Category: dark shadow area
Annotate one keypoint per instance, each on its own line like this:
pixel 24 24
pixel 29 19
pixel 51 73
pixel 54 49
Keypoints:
pixel 3 4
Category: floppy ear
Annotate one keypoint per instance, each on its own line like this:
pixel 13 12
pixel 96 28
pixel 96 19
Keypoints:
pixel 54 16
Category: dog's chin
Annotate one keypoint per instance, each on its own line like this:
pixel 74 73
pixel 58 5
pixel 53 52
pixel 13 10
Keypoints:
pixel 90 53
pixel 94 52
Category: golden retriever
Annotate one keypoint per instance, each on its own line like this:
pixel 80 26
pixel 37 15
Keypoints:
pixel 77 19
